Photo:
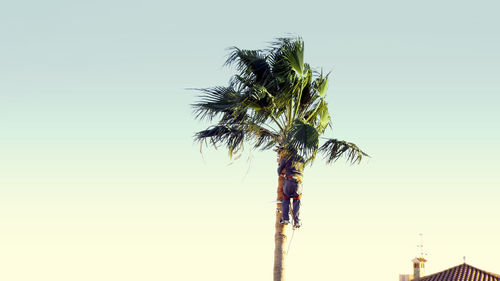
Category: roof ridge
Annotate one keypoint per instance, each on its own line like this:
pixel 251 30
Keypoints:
pixel 466 267
pixel 440 272
pixel 483 271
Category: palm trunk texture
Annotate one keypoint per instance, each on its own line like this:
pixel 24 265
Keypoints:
pixel 279 237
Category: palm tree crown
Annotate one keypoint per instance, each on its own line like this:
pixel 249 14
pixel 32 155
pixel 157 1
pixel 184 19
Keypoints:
pixel 275 99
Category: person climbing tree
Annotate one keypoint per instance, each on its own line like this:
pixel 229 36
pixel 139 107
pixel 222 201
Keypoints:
pixel 290 167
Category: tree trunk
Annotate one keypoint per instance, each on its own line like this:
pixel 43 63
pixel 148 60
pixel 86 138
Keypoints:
pixel 279 237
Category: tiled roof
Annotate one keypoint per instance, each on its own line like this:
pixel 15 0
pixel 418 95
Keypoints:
pixel 463 272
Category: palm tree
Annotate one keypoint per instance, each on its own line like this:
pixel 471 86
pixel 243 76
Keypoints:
pixel 274 101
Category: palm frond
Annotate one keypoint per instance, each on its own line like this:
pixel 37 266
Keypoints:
pixel 216 100
pixel 260 98
pixel 288 54
pixel 323 116
pixel 318 115
pixel 303 138
pixel 230 137
pixel 264 138
pixel 334 149
pixel 233 118
pixel 250 62
pixel 294 53
pixel 321 84
pixel 280 68
pixel 307 92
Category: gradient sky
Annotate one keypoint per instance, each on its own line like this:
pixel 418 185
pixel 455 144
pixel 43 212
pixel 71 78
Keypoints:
pixel 100 179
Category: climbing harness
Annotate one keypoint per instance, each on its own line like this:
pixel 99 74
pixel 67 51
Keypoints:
pixel 295 178
pixel 295 198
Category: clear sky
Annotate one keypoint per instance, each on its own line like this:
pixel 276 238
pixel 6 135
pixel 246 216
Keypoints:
pixel 100 179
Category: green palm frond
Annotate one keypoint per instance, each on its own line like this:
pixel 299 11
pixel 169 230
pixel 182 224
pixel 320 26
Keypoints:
pixel 280 68
pixel 293 51
pixel 307 92
pixel 250 62
pixel 319 115
pixel 298 91
pixel 323 116
pixel 259 98
pixel 321 84
pixel 303 138
pixel 333 149
pixel 263 138
pixel 216 100
pixel 261 105
pixel 230 137
pixel 233 118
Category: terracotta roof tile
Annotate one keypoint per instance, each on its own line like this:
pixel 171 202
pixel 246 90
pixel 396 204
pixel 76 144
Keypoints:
pixel 463 272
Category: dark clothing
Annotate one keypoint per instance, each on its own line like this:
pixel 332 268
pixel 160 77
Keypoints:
pixel 292 187
pixel 291 165
pixel 291 190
